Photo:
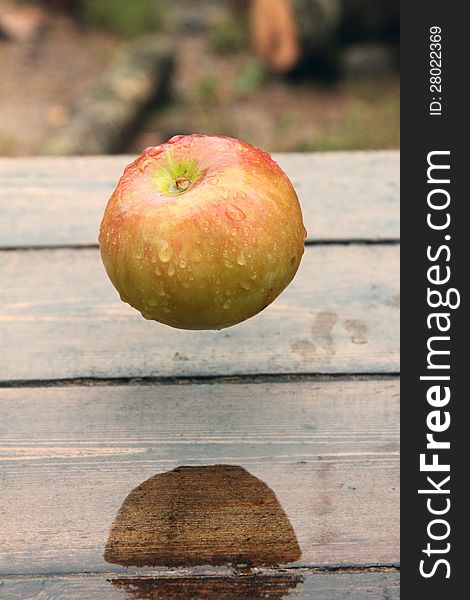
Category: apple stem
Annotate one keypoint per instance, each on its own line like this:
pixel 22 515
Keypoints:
pixel 182 183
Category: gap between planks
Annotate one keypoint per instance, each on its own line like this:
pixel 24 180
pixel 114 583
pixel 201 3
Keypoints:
pixel 182 572
pixel 216 379
pixel 325 242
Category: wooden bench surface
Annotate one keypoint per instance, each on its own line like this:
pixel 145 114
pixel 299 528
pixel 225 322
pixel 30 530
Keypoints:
pixel 95 400
pixel 60 201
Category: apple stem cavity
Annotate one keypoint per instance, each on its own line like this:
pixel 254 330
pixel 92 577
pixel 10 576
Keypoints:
pixel 177 176
pixel 182 184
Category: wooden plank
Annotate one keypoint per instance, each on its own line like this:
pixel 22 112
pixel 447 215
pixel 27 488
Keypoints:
pixel 60 201
pixel 61 318
pixel 304 586
pixel 71 455
pixel 347 195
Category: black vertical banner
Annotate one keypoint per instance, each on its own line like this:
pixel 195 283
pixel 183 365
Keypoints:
pixel 435 269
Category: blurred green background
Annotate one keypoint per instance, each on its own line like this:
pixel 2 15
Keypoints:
pixel 341 94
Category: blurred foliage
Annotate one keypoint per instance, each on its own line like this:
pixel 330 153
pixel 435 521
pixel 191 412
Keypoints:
pixel 250 77
pixel 286 122
pixel 207 89
pixel 229 35
pixel 125 17
pixel 365 126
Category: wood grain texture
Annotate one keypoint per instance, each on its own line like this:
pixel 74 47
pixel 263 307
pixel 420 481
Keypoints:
pixel 61 318
pixel 60 201
pixel 71 455
pixel 305 586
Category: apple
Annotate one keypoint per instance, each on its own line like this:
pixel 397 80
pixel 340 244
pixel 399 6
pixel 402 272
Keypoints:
pixel 202 232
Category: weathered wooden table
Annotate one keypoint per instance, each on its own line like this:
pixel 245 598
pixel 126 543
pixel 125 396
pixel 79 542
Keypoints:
pixel 95 400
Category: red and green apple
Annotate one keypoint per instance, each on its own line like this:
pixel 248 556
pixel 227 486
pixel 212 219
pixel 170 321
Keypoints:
pixel 202 232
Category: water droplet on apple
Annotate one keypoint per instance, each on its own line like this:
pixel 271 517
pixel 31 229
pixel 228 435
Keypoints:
pixel 153 150
pixel 157 271
pixel 226 304
pixel 241 260
pixel 234 213
pixel 183 264
pixel 253 276
pixel 246 285
pixel 233 231
pixel 171 270
pixel 144 163
pixel 228 264
pixel 165 252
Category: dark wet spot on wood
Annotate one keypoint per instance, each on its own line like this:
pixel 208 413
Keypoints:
pixel 394 301
pixel 214 515
pixel 322 328
pixel 304 348
pixel 248 587
pixel 357 329
pixel 324 501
